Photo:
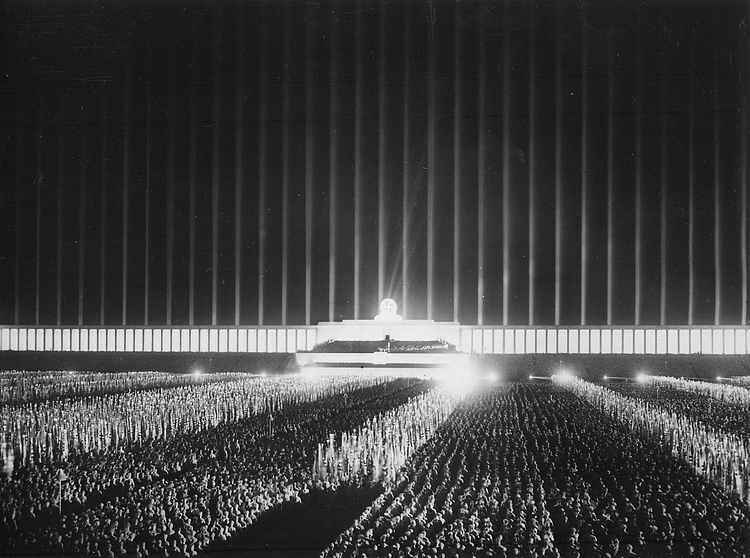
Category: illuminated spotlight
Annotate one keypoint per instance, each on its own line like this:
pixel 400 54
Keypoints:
pixel 547 378
pixel 263 373
pixel 641 377
pixel 719 378
pixel 310 372
pixel 457 381
pixel 565 375
pixel 492 377
pixel 605 378
pixel 197 372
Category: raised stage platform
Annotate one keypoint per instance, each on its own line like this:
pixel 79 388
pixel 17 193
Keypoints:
pixel 387 325
pixel 383 359
pixel 400 330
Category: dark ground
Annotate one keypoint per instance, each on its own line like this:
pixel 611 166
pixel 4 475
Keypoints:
pixel 297 530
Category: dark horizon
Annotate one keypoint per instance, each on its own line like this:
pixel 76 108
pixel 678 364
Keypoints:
pixel 519 163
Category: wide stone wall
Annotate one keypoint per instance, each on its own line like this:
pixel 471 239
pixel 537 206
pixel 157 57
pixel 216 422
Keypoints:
pixel 469 339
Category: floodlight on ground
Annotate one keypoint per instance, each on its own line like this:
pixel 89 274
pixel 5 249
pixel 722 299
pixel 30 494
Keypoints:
pixel 719 378
pixel 458 382
pixel 641 377
pixel 605 378
pixel 492 377
pixel 197 372
pixel 565 375
pixel 263 373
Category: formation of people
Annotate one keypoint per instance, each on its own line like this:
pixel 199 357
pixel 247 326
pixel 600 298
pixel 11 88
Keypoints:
pixel 547 469
pixel 730 391
pixel 48 431
pixel 20 386
pixel 535 470
pixel 178 494
pixel 376 450
pixel 708 434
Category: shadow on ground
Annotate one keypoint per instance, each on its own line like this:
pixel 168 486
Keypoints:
pixel 297 530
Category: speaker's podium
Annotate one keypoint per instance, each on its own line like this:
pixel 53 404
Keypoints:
pixel 387 326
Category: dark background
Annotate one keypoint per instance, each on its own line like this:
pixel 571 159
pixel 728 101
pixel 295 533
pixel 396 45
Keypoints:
pixel 152 153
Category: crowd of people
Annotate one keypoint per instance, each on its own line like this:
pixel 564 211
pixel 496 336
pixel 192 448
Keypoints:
pixel 723 391
pixel 535 470
pixel 542 469
pixel 377 449
pixel 19 386
pixel 687 423
pixel 699 401
pixel 178 494
pixel 48 431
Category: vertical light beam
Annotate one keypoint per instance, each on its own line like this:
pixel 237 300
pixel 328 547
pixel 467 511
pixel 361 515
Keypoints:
pixel 532 185
pixel 285 162
pixel 239 117
pixel 332 166
pixel 102 222
pixel 381 160
pixel 481 147
pixel 743 210
pixel 431 77
pixel 309 100
pixel 558 167
pixel 456 162
pixel 506 164
pixel 262 152
pixel 215 163
pixel 584 165
pixel 81 219
pixel 610 171
pixel 663 196
pixel 147 217
pixel 717 198
pixel 60 179
pixel 691 206
pixel 358 169
pixel 638 170
pixel 125 201
pixel 406 213
pixel 191 212
pixel 38 180
pixel 17 232
pixel 170 206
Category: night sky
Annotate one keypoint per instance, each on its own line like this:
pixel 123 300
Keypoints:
pixel 522 163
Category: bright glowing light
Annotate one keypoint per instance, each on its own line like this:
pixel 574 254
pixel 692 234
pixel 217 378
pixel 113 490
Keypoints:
pixel 263 373
pixel 641 377
pixel 565 375
pixel 605 378
pixel 719 378
pixel 388 311
pixel 493 377
pixel 458 382
pixel 197 372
